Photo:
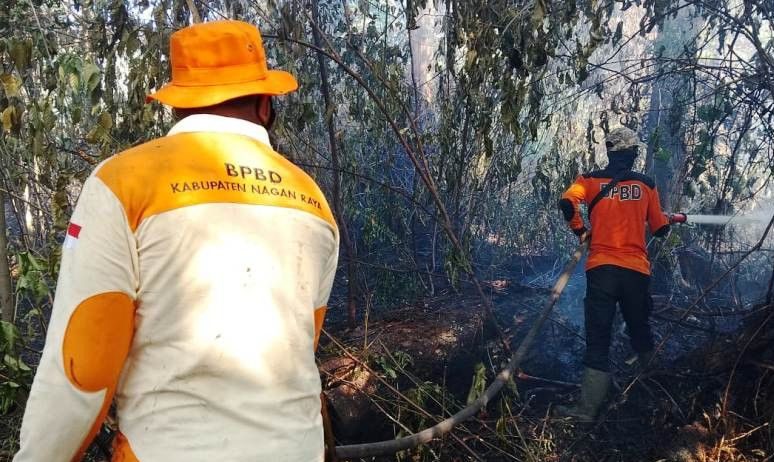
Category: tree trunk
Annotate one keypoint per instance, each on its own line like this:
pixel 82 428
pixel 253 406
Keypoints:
pixel 665 164
pixel 6 288
pixel 670 96
pixel 338 208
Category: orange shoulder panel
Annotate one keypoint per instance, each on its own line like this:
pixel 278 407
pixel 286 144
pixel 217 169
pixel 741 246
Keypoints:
pixel 198 168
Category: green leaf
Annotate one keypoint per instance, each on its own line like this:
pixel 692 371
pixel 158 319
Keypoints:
pixel 538 13
pixel 101 129
pixel 74 81
pixel 478 385
pixel 470 58
pixel 37 144
pixel 105 121
pixel 11 362
pixel 21 53
pixel 91 75
pixel 132 43
pixel 386 367
pixel 11 85
pixel 9 336
pixel 75 115
pixel 31 277
pixel 23 367
pixel 95 134
pixel 8 116
pixel 29 262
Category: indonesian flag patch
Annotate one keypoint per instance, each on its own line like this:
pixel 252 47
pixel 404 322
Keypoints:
pixel 71 239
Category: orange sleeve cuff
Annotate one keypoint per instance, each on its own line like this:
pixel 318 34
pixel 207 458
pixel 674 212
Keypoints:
pixel 319 318
pixel 575 194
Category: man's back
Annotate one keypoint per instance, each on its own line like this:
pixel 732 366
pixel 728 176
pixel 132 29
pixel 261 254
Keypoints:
pixel 229 280
pixel 226 249
pixel 618 219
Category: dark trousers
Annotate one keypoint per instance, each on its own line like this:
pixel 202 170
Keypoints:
pixel 607 286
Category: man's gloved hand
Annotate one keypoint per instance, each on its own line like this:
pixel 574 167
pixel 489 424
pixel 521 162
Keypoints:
pixel 582 234
pixel 584 237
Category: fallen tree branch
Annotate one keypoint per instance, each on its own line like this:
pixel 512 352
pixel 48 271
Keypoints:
pixel 760 364
pixel 394 390
pixel 440 429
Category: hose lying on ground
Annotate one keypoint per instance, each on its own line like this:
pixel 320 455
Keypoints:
pixel 443 427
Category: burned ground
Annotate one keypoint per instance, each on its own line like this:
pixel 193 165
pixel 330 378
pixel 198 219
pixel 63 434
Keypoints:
pixel 707 396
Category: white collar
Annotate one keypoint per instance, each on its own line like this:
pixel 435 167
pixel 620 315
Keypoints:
pixel 220 124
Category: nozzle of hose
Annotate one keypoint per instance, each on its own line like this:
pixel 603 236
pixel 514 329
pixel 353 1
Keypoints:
pixel 677 218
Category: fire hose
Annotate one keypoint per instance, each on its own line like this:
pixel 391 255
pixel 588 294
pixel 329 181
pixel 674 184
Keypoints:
pixel 425 436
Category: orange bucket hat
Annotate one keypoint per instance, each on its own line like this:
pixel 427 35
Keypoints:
pixel 217 61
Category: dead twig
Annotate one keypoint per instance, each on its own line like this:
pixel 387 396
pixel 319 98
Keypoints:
pixel 392 389
pixel 724 407
pixel 760 364
pixel 526 377
pixel 194 11
pixel 677 406
pixel 748 433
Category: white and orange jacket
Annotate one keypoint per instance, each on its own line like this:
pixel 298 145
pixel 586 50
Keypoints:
pixel 193 286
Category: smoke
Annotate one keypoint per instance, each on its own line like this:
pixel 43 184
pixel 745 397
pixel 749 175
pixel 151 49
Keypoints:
pixel 750 226
pixel 745 227
pixel 749 282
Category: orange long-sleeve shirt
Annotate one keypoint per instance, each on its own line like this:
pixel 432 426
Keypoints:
pixel 618 219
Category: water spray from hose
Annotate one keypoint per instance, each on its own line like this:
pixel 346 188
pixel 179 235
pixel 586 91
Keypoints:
pixel 717 220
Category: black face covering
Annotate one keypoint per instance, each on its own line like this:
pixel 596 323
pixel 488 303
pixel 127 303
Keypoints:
pixel 272 116
pixel 621 160
pixel 267 124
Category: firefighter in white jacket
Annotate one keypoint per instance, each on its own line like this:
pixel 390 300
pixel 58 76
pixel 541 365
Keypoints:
pixel 194 281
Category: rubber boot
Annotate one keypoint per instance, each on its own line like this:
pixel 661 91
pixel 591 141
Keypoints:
pixel 593 392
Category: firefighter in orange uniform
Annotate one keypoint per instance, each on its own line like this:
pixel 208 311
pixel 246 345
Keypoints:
pixel 194 281
pixel 617 268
